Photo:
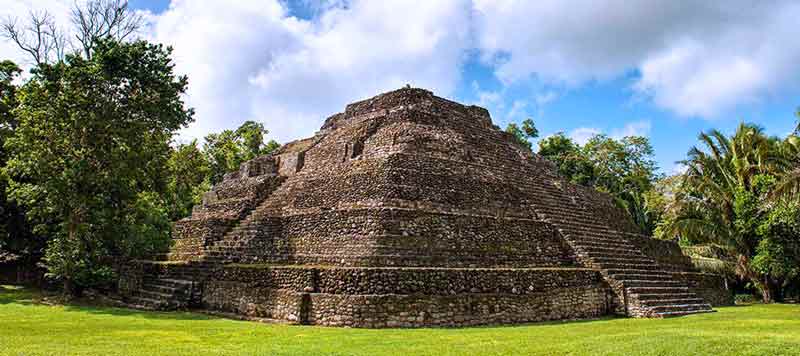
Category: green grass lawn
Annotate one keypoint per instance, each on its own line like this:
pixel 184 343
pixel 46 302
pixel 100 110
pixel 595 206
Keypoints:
pixel 30 328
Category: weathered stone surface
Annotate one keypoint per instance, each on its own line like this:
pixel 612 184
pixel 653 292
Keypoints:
pixel 412 297
pixel 412 210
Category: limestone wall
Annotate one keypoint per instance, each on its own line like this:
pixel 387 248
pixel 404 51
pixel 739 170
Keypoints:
pixel 404 210
pixel 404 237
pixel 222 208
pixel 410 297
pixel 666 253
pixel 712 288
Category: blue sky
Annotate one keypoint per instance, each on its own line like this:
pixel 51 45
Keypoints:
pixel 666 70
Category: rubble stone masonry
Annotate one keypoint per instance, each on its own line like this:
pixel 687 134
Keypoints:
pixel 410 210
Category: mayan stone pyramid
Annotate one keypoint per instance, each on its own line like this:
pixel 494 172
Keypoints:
pixel 408 209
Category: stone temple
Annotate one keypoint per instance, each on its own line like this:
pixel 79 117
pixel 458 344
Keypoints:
pixel 410 210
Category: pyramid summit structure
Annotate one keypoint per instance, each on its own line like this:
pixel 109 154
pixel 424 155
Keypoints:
pixel 411 210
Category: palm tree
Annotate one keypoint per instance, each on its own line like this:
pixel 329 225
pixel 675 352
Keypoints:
pixel 719 178
pixel 789 186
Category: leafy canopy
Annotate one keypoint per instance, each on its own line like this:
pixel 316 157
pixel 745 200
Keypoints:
pixel 522 134
pixel 624 168
pixel 727 198
pixel 89 154
pixel 228 149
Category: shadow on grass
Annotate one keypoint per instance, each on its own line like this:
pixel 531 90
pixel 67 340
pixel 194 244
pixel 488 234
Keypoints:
pixel 10 294
pixel 121 311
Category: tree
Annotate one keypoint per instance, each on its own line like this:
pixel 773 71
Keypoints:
pixel 626 169
pixel 98 19
pixel 88 155
pixel 94 20
pixel 777 256
pixel 228 149
pixel 725 198
pixel 8 94
pixel 797 121
pixel 623 168
pixel 569 157
pixel 15 234
pixel 789 185
pixel 40 37
pixel 528 131
pixel 189 178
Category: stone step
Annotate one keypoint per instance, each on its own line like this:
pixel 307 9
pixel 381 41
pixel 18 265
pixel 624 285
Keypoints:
pixel 575 221
pixel 597 232
pixel 588 245
pixel 679 307
pixel 672 301
pixel 620 259
pixel 658 290
pixel 159 288
pixel 169 282
pixel 148 303
pixel 601 247
pixel 619 255
pixel 628 266
pixel 651 283
pixel 657 275
pixel 588 230
pixel 613 272
pixel 152 294
pixel 594 227
pixel 683 313
pixel 601 242
pixel 664 296
pixel 570 213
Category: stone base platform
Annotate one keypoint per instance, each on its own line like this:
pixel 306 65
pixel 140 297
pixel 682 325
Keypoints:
pixel 407 297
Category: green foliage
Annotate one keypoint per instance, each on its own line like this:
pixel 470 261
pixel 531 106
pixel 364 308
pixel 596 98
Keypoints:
pixel 727 198
pixel 226 150
pixel 797 126
pixel 8 98
pixel 624 168
pixel 15 233
pixel 147 226
pixel 89 151
pixel 778 251
pixel 189 178
pixel 569 157
pixel 527 131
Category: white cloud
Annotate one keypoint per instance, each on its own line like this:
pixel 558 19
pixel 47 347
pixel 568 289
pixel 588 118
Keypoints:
pixel 677 169
pixel 487 99
pixel 250 59
pixel 517 110
pixel 257 63
pixel 582 135
pixel 696 58
pixel 545 98
pixel 636 128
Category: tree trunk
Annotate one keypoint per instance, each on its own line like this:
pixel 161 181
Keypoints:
pixel 777 290
pixel 72 289
pixel 766 295
pixel 770 290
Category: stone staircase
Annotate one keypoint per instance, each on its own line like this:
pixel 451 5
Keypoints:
pixel 227 249
pixel 643 288
pixel 175 288
pixel 162 294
